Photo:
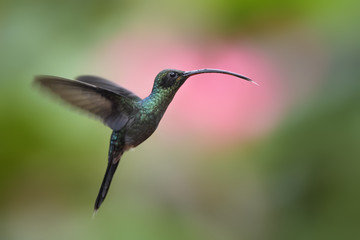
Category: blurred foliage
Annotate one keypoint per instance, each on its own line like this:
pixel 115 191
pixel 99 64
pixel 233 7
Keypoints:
pixel 255 16
pixel 42 32
pixel 298 182
pixel 312 167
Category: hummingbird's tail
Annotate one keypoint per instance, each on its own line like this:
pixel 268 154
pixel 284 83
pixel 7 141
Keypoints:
pixel 115 152
pixel 110 170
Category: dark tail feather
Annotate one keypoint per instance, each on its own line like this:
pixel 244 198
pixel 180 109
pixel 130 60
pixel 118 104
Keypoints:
pixel 110 170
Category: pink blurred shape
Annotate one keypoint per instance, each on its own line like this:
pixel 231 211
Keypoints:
pixel 219 107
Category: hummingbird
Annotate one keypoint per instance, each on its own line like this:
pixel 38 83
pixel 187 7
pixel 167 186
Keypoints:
pixel 131 118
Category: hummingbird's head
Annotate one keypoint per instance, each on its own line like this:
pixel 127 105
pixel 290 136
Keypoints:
pixel 170 80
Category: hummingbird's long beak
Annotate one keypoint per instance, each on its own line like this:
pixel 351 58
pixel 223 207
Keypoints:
pixel 199 71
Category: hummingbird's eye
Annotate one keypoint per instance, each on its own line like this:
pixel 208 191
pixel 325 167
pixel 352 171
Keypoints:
pixel 169 79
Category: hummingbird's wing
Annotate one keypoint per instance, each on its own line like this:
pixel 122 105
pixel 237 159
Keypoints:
pixel 113 109
pixel 108 85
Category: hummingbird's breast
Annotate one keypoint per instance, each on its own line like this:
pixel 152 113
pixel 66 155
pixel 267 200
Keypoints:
pixel 145 121
pixel 140 127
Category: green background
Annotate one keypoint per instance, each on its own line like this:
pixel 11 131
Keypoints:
pixel 299 180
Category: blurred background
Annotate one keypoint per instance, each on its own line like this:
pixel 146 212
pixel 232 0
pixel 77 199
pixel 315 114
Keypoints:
pixel 230 160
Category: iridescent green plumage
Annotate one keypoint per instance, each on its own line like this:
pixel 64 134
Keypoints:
pixel 131 118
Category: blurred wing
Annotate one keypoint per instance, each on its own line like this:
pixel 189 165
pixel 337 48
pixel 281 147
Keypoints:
pixel 111 108
pixel 108 85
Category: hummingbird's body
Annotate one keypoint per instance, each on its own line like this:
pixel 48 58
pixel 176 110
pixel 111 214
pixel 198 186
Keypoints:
pixel 132 119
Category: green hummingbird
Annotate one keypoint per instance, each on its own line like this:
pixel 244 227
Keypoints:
pixel 131 118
